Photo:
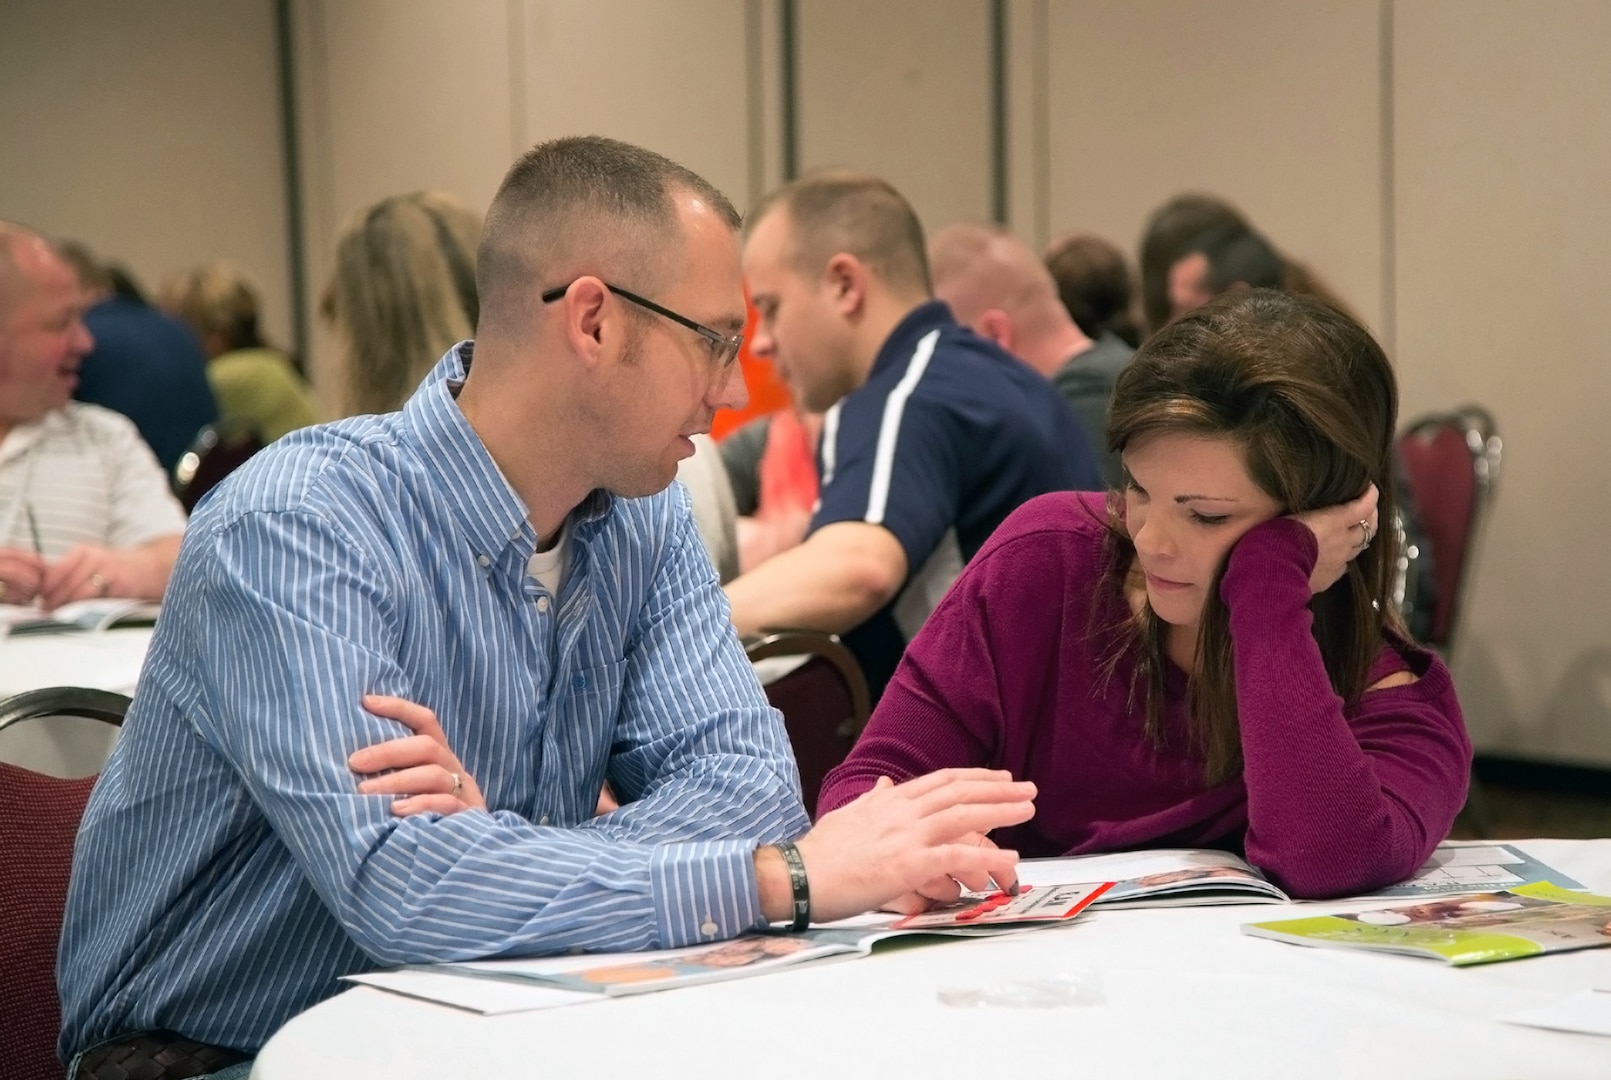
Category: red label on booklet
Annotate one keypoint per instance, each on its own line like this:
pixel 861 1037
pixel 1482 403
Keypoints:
pixel 1033 904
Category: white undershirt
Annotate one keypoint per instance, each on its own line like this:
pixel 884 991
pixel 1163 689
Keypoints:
pixel 549 567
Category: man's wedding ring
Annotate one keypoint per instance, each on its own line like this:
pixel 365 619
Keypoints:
pixel 458 784
pixel 100 584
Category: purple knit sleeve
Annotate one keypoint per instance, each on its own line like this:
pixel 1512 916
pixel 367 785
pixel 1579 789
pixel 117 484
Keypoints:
pixel 941 710
pixel 951 702
pixel 1339 800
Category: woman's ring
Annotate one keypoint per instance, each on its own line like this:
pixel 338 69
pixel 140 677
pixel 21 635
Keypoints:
pixel 100 584
pixel 1370 533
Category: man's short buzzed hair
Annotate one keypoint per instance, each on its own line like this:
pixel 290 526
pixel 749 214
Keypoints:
pixel 583 205
pixel 861 215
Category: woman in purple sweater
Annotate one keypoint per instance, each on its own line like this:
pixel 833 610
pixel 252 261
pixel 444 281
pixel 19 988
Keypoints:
pixel 1209 659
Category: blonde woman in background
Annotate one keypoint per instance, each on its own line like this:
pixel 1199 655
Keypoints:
pixel 258 388
pixel 402 294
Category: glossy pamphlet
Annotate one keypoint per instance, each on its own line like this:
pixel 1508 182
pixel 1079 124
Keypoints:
pixel 1192 876
pixel 755 954
pixel 1480 928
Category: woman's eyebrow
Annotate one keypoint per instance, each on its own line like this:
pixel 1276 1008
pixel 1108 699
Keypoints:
pixel 1204 498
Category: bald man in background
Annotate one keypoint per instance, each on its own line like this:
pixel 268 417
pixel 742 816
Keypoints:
pixel 999 288
pixel 85 509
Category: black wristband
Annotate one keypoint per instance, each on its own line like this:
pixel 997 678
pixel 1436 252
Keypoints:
pixel 797 885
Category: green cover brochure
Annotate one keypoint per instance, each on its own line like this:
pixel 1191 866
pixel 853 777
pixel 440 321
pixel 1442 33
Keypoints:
pixel 1480 928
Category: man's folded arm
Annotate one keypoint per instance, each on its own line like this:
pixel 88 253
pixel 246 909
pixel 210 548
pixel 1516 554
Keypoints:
pixel 698 753
pixel 299 628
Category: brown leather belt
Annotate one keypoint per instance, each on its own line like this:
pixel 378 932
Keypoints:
pixel 154 1055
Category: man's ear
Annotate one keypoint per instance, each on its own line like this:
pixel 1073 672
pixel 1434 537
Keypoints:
pixel 589 329
pixel 845 278
pixel 995 325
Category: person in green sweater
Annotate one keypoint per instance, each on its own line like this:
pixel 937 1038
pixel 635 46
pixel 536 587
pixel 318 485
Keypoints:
pixel 259 390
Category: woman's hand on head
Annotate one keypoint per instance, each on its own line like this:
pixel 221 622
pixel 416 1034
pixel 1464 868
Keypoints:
pixel 1339 534
pixel 421 768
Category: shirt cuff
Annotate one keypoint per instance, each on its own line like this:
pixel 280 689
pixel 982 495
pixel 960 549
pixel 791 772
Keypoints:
pixel 704 892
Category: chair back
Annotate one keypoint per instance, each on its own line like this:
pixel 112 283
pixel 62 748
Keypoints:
pixel 1453 462
pixel 824 702
pixel 61 731
pixel 39 818
pixel 213 455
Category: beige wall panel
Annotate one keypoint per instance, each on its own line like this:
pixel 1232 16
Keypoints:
pixel 1504 251
pixel 668 76
pixel 901 90
pixel 395 96
pixel 150 131
pixel 1275 106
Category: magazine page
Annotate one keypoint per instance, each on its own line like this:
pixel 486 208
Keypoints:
pixel 1165 878
pixel 751 954
pixel 80 615
pixel 619 974
pixel 1469 867
pixel 1477 928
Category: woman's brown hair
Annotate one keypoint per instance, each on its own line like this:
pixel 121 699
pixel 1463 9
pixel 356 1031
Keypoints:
pixel 1310 398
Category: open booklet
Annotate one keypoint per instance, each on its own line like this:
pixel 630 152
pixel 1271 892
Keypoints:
pixel 1480 928
pixel 81 615
pixel 1192 877
pixel 755 954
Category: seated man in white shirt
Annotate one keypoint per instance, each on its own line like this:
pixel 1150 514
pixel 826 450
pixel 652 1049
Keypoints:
pixel 85 509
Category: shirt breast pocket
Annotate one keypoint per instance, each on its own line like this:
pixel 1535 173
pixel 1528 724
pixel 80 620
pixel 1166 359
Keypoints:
pixel 579 734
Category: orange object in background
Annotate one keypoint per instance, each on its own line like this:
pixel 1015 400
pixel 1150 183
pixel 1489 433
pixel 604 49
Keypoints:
pixel 767 392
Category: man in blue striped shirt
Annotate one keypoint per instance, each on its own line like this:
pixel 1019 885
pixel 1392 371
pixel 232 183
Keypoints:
pixel 504 553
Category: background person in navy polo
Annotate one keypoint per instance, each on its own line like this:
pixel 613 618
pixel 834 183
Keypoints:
pixel 932 434
pixel 505 553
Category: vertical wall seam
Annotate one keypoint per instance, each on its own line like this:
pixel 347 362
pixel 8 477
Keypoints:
pixel 999 198
pixel 291 166
pixel 520 139
pixel 1389 193
pixel 754 103
pixel 788 31
pixel 1040 122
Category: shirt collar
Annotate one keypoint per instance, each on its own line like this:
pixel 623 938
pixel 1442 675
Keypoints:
pixel 898 347
pixel 494 516
pixel 23 437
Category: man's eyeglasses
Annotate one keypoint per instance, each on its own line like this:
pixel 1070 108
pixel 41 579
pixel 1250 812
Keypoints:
pixel 723 347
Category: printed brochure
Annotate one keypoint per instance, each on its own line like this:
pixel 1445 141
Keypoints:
pixel 1481 928
pixel 978 915
pixel 1193 876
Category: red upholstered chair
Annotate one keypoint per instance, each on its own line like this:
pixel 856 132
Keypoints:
pixel 39 818
pixel 1453 462
pixel 824 701
pixel 213 455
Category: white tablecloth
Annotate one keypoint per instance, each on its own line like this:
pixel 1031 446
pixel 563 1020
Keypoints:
pixel 1185 994
pixel 104 660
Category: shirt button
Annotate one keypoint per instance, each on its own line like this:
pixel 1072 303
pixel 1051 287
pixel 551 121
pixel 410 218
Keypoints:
pixel 482 561
pixel 708 928
pixel 543 820
pixel 542 603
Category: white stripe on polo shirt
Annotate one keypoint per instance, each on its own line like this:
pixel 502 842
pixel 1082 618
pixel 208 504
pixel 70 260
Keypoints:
pixel 830 442
pixel 889 429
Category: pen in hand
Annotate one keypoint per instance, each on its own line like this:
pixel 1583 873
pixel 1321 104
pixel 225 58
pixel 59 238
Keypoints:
pixel 33 529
